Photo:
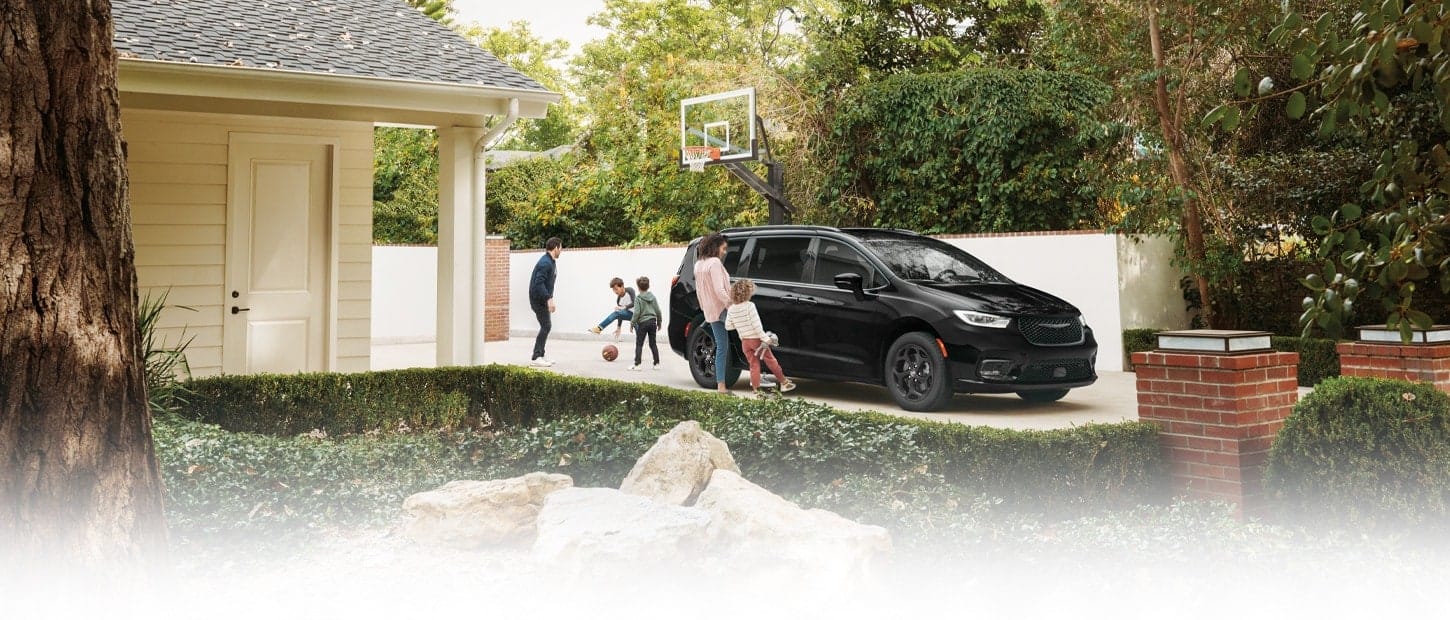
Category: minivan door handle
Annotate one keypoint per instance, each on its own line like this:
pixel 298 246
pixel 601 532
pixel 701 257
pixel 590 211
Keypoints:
pixel 798 299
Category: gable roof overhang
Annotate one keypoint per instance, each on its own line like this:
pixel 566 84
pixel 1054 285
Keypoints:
pixel 190 87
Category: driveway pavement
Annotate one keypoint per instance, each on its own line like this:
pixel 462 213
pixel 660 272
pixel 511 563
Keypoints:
pixel 1112 399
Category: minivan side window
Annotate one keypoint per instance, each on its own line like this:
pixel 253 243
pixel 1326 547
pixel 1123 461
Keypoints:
pixel 834 258
pixel 733 249
pixel 782 259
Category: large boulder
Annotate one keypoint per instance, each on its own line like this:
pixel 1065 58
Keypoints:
pixel 599 532
pixel 765 535
pixel 473 513
pixel 676 469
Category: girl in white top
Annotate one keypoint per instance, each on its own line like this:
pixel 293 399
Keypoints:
pixel 745 320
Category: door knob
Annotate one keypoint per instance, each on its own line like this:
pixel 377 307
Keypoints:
pixel 236 310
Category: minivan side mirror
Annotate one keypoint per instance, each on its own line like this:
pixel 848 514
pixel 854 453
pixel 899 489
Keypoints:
pixel 852 282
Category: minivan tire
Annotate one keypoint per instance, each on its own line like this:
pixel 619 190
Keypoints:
pixel 916 373
pixel 1042 396
pixel 700 353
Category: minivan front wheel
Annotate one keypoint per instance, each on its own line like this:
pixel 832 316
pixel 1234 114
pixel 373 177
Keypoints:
pixel 917 373
pixel 700 351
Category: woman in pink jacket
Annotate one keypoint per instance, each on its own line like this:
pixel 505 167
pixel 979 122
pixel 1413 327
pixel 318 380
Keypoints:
pixel 712 288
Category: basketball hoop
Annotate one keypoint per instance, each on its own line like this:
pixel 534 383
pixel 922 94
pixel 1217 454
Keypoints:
pixel 697 156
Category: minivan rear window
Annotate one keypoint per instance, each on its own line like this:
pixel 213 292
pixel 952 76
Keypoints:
pixel 929 260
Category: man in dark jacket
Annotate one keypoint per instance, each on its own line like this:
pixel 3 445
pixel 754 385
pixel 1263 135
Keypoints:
pixel 541 296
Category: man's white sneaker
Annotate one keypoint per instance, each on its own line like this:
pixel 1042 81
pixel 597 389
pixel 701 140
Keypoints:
pixel 657 366
pixel 635 367
pixel 542 362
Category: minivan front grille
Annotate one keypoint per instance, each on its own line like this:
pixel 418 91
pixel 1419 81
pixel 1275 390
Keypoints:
pixel 1053 332
pixel 1056 371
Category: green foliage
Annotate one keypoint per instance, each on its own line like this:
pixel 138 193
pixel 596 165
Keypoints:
pixel 572 199
pixel 224 484
pixel 789 444
pixel 166 367
pixel 405 185
pixel 521 49
pixel 875 39
pixel 1388 70
pixel 1368 452
pixel 970 151
pixel 1138 340
pixel 440 11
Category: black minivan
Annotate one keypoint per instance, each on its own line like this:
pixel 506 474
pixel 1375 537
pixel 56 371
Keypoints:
pixel 890 307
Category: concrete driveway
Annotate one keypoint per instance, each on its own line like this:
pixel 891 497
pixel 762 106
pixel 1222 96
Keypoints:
pixel 1112 399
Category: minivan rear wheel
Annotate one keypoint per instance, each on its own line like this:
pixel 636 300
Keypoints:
pixel 916 373
pixel 700 351
pixel 1042 396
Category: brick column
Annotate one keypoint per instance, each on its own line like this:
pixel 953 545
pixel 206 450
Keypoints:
pixel 1219 414
pixel 1428 363
pixel 496 289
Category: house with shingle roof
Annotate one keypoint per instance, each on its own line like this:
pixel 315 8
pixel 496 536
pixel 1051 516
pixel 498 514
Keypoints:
pixel 249 131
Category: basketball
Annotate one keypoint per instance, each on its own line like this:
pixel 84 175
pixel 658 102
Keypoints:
pixel 610 352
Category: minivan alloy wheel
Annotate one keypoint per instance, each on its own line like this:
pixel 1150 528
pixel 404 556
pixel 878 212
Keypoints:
pixel 916 373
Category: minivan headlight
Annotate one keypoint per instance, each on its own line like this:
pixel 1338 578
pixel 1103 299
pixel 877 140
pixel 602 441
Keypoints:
pixel 982 319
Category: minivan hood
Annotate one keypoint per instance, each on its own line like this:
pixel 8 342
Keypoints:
pixel 1005 298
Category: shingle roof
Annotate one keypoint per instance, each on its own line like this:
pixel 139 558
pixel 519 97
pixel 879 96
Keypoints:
pixel 366 38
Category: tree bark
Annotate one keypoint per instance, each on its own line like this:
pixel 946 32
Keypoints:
pixel 1178 168
pixel 79 484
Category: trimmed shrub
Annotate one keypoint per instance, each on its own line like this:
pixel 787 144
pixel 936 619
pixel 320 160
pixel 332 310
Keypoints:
pixel 1136 340
pixel 1372 452
pixel 607 424
pixel 1318 358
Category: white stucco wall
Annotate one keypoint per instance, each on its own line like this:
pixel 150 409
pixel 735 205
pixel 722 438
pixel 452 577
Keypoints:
pixel 1118 283
pixel 405 294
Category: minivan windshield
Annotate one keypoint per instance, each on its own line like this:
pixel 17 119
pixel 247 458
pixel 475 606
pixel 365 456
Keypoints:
pixel 923 259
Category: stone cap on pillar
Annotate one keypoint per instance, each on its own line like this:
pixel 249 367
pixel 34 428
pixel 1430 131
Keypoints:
pixel 1436 334
pixel 1214 341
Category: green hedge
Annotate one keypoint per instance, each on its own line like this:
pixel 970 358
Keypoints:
pixel 1092 464
pixel 1365 451
pixel 1318 359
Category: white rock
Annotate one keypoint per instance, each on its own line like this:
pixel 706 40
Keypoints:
pixel 473 513
pixel 607 532
pixel 676 469
pixel 765 535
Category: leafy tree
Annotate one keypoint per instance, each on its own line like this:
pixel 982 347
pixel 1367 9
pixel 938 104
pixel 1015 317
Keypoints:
pixel 985 150
pixel 882 37
pixel 405 185
pixel 437 10
pixel 79 483
pixel 1166 61
pixel 539 59
pixel 1389 67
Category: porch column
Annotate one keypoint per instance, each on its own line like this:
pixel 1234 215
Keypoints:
pixel 457 321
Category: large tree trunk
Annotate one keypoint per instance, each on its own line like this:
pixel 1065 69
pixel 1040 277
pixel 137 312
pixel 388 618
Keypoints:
pixel 1178 168
pixel 79 485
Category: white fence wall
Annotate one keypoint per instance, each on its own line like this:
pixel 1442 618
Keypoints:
pixel 1118 283
pixel 405 294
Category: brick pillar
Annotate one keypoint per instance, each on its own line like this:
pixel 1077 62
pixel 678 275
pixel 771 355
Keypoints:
pixel 496 293
pixel 1427 363
pixel 1218 414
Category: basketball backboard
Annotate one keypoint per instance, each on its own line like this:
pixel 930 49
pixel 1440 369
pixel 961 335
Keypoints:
pixel 723 120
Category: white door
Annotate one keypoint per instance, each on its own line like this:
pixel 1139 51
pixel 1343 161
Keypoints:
pixel 275 314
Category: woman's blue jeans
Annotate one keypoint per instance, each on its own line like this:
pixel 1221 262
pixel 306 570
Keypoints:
pixel 722 347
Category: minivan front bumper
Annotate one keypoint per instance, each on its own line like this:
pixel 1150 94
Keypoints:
pixel 987 360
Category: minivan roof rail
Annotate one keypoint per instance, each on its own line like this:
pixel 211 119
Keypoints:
pixel 782 227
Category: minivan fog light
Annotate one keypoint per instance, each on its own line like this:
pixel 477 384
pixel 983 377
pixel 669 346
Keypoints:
pixel 994 369
pixel 982 319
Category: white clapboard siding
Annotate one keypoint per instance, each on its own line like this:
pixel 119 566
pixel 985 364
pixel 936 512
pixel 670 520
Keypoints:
pixel 177 164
